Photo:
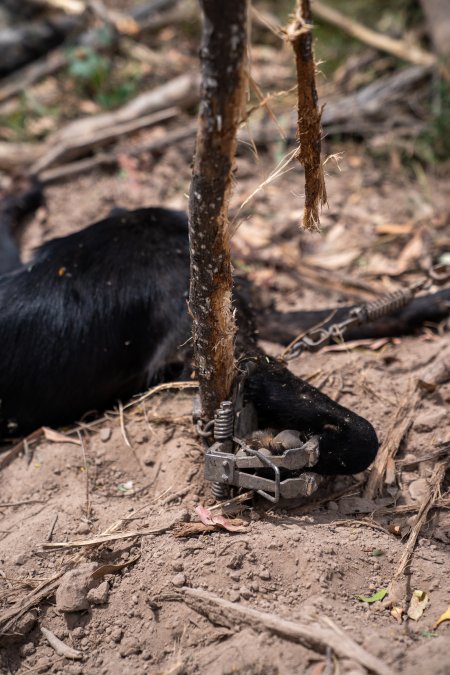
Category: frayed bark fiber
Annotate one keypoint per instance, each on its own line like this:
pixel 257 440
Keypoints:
pixel 222 54
pixel 309 132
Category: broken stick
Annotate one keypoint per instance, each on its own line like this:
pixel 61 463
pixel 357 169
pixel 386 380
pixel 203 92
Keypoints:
pixel 320 635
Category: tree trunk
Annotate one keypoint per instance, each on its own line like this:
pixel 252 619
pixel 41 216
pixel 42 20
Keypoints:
pixel 222 55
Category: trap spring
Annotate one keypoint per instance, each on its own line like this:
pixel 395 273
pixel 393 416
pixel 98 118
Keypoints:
pixel 231 462
pixel 319 337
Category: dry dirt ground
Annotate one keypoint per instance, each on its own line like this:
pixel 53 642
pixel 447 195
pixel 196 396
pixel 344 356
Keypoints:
pixel 142 469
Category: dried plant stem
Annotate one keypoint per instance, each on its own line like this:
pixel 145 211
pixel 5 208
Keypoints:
pixel 309 131
pixel 319 635
pixel 430 499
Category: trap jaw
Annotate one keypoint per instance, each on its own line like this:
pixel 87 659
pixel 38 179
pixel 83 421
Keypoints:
pixel 231 462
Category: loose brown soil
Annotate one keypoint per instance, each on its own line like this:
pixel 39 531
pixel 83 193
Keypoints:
pixel 146 466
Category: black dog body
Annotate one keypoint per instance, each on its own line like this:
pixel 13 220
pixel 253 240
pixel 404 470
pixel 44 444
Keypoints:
pixel 92 318
pixel 99 315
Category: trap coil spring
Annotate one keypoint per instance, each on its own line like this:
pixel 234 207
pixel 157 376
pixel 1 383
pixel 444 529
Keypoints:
pixel 224 422
pixel 383 306
pixel 223 431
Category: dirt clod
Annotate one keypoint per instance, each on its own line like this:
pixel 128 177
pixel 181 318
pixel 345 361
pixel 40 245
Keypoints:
pixel 73 590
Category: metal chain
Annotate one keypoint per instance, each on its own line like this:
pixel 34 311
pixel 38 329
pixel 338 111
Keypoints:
pixel 317 338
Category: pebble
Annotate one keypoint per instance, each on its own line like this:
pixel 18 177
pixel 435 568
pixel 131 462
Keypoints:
pixel 21 559
pixel 244 592
pixel 418 489
pixel 27 649
pixel 179 580
pixel 105 434
pixel 116 634
pixel 99 595
pixel 234 596
pixel 78 632
pixel 177 566
pixel 83 528
pixel 429 421
pixel 129 646
pixel 42 665
pixel 264 574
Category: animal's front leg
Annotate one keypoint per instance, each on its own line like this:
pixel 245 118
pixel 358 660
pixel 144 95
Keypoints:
pixel 348 443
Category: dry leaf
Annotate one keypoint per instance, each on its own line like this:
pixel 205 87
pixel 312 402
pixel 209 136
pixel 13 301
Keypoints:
pixel 58 437
pixel 333 261
pixel 417 605
pixel 59 646
pixel 444 617
pixel 113 569
pixel 397 613
pixel 395 530
pixel 394 228
pixel 230 524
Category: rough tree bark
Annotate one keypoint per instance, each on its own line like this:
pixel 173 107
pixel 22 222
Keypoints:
pixel 222 54
pixel 308 116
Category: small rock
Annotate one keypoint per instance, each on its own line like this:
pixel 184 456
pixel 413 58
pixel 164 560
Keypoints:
pixel 235 576
pixel 177 566
pixel 116 634
pixel 42 665
pixel 130 646
pixel 179 580
pixel 418 489
pixel 99 595
pixel 105 434
pixel 83 528
pixel 78 633
pixel 244 592
pixel 72 592
pixel 429 421
pixel 333 506
pixel 264 574
pixel 234 596
pixel 21 559
pixel 27 649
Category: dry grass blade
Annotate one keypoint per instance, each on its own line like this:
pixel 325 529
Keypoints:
pixel 102 538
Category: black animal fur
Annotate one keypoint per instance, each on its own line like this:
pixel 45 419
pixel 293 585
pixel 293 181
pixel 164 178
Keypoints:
pixel 100 315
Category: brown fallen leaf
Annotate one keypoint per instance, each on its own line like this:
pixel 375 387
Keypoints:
pixel 59 646
pixel 444 617
pixel 419 601
pixel 192 529
pixel 113 569
pixel 397 613
pixel 230 524
pixel 58 437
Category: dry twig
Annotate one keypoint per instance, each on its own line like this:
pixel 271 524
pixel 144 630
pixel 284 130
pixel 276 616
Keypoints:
pixel 399 48
pixel 436 373
pixel 430 499
pixel 319 635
